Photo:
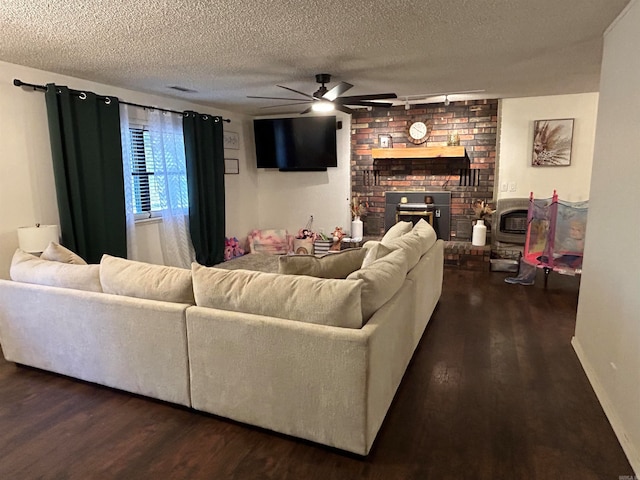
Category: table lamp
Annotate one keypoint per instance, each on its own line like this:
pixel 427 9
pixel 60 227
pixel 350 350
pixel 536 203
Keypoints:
pixel 36 239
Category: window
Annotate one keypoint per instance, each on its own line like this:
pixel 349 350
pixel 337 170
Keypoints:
pixel 157 167
pixel 142 171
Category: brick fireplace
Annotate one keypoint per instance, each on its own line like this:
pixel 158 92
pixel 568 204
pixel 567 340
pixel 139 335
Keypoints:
pixel 475 122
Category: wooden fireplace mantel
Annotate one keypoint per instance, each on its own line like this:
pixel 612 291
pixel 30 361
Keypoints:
pixel 420 152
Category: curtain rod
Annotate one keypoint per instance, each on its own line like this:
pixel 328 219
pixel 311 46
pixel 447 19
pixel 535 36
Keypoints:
pixel 20 83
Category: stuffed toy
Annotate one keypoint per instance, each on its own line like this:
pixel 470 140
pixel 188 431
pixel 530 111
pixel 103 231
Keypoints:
pixel 337 235
pixel 232 248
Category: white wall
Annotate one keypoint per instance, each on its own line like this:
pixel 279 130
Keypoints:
pixel 287 199
pixel 607 337
pixel 27 192
pixel 515 147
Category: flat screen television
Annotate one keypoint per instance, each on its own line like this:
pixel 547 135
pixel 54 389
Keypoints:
pixel 296 144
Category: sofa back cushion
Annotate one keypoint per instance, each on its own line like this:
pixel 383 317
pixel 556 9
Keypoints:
pixel 293 297
pixel 375 250
pixel 120 276
pixel 397 230
pixel 332 265
pixel 31 269
pixel 381 280
pixel 425 231
pixel 57 253
pixel 412 245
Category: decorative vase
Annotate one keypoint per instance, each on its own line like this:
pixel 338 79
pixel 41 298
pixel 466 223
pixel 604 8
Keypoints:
pixel 479 237
pixel 356 229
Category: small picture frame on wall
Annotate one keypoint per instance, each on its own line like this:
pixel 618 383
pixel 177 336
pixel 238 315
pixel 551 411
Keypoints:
pixel 231 140
pixel 231 166
pixel 385 141
pixel 552 141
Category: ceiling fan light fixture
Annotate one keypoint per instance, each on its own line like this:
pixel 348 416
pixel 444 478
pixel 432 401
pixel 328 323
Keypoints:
pixel 327 100
pixel 322 107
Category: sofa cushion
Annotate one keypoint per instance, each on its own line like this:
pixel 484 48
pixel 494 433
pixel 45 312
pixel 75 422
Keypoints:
pixel 381 280
pixel 332 265
pixel 275 242
pixel 57 253
pixel 31 269
pixel 375 250
pixel 425 231
pixel 120 276
pixel 397 230
pixel 293 297
pixel 412 245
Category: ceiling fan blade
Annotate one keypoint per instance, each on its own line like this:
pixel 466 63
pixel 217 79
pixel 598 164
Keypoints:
pixel 284 105
pixel 342 108
pixel 280 98
pixel 364 103
pixel 296 91
pixel 359 98
pixel 336 91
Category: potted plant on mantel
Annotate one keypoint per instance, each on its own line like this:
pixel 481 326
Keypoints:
pixel 358 209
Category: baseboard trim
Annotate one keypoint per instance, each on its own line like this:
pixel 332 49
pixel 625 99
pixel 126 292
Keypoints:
pixel 633 454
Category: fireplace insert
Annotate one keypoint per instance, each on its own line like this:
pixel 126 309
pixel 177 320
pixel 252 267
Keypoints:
pixel 434 207
pixel 510 220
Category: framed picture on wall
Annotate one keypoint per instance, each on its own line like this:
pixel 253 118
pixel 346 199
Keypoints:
pixel 552 142
pixel 231 140
pixel 385 141
pixel 231 166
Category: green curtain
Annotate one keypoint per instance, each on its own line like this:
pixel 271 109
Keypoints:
pixel 84 130
pixel 204 151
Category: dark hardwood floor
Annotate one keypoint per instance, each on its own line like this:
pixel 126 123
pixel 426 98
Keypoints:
pixel 494 391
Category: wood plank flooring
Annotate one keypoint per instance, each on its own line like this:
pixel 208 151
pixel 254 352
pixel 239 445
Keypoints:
pixel 494 391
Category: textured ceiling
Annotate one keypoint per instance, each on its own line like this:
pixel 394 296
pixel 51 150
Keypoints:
pixel 226 50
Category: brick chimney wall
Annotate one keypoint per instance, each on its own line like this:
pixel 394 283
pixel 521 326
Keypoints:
pixel 474 121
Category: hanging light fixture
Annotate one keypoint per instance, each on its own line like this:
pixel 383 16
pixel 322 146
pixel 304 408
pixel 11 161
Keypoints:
pixel 446 100
pixel 322 106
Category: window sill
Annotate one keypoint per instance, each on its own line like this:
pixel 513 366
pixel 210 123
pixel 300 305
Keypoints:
pixel 146 221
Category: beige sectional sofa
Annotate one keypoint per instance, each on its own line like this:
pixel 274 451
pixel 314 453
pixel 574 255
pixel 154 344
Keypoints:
pixel 310 356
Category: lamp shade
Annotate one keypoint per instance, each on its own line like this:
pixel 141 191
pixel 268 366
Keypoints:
pixel 36 239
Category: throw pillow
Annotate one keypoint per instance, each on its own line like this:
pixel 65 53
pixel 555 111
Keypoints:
pixel 57 253
pixel 274 242
pixel 332 265
pixel 396 231
pixel 31 269
pixel 322 301
pixel 120 276
pixel 382 279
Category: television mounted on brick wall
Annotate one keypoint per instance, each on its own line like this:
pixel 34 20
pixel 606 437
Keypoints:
pixel 296 144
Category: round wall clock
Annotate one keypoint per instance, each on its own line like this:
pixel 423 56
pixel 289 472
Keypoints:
pixel 418 132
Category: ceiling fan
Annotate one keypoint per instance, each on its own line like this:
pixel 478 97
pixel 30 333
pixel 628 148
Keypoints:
pixel 325 99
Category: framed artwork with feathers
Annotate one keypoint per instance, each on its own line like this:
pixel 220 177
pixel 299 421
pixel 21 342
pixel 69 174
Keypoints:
pixel 552 142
